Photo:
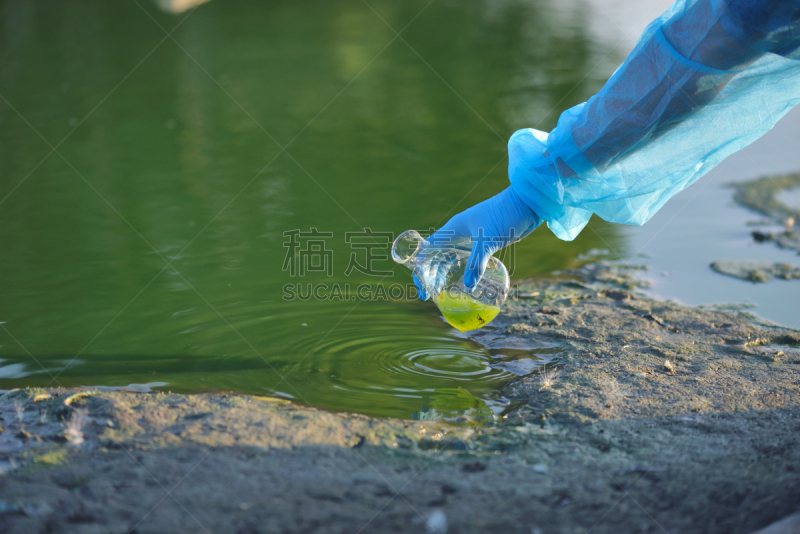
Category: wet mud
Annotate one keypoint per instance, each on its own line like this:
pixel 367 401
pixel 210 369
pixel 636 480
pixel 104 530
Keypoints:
pixel 656 417
pixel 756 271
pixel 762 196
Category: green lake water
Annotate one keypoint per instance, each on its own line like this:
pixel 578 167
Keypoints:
pixel 150 246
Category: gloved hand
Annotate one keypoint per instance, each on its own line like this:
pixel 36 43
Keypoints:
pixel 492 225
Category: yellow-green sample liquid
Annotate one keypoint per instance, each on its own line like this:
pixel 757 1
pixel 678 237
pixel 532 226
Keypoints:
pixel 464 312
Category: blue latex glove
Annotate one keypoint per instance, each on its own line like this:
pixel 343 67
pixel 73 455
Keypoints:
pixel 706 79
pixel 492 225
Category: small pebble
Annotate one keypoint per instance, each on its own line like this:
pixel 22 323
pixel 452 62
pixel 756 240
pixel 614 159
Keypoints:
pixel 436 522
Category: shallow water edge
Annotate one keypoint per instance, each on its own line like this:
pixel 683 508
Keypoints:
pixel 659 415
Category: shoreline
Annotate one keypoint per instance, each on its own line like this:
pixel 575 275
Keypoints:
pixel 660 416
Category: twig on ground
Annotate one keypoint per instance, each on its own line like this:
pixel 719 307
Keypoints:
pixel 546 378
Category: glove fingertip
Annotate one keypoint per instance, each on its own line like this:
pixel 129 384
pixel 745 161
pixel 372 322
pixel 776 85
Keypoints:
pixel 474 273
pixel 421 292
pixel 476 265
pixel 471 278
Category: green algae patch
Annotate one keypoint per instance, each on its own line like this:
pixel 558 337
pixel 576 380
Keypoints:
pixel 762 195
pixel 54 457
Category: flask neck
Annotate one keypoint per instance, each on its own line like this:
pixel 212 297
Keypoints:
pixel 406 247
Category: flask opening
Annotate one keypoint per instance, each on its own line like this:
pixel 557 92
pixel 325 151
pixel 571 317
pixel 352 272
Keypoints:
pixel 406 246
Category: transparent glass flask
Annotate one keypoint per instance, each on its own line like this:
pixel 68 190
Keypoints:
pixel 441 271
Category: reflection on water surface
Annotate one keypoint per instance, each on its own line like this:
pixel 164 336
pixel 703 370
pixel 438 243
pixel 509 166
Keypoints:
pixel 151 247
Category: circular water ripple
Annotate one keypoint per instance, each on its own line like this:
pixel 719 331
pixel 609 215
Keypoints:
pixel 388 360
pixel 450 362
pixel 399 369
pixel 404 357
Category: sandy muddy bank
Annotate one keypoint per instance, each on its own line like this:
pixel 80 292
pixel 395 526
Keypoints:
pixel 662 417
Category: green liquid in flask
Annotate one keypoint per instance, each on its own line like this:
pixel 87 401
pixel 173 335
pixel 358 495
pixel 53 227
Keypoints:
pixel 463 312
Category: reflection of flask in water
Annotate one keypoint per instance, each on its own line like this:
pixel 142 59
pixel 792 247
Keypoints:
pixel 441 271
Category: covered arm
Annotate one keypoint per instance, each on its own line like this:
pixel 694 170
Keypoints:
pixel 706 79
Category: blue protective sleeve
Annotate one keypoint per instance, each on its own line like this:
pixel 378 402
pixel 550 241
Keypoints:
pixel 706 79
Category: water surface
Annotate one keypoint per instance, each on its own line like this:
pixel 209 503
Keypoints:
pixel 151 245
